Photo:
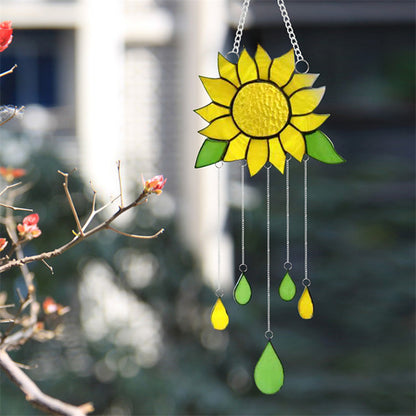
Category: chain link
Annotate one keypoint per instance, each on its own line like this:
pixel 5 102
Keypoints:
pixel 290 31
pixel 240 27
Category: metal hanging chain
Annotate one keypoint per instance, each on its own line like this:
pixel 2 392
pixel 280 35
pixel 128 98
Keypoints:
pixel 288 264
pixel 243 266
pixel 219 291
pixel 268 334
pixel 306 282
pixel 291 34
pixel 240 28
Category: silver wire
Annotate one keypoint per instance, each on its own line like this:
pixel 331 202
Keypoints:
pixel 287 214
pixel 268 247
pixel 306 281
pixel 242 216
pixel 219 291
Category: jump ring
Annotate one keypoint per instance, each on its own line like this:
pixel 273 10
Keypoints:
pixel 233 52
pixel 306 282
pixel 268 334
pixel 219 293
pixel 305 63
pixel 219 164
pixel 268 165
pixel 288 157
pixel 287 265
pixel 306 157
pixel 244 163
pixel 243 268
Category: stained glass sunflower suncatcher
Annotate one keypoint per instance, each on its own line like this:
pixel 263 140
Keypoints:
pixel 262 109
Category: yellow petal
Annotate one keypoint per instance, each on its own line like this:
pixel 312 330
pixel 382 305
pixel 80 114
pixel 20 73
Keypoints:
pixel 305 101
pixel 277 155
pixel 228 70
pixel 247 70
pixel 219 316
pixel 308 123
pixel 293 142
pixel 220 90
pixel 282 68
pixel 263 62
pixel 237 148
pixel 212 111
pixel 257 155
pixel 222 128
pixel 299 81
pixel 305 305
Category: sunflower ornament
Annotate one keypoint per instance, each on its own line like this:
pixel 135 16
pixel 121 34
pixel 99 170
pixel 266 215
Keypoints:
pixel 262 110
pixel 263 113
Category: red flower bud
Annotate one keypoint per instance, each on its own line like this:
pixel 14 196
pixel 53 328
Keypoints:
pixel 29 229
pixel 154 185
pixel 10 174
pixel 6 35
pixel 50 306
pixel 3 244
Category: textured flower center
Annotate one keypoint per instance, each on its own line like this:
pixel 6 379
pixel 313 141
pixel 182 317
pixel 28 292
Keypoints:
pixel 260 109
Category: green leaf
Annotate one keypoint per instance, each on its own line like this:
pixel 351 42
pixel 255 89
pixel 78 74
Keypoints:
pixel 212 151
pixel 320 147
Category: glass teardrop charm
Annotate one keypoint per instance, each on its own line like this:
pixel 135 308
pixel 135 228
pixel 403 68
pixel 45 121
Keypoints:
pixel 268 373
pixel 242 290
pixel 219 316
pixel 287 289
pixel 305 305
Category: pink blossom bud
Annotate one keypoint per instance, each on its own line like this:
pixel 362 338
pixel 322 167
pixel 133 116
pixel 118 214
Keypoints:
pixel 6 35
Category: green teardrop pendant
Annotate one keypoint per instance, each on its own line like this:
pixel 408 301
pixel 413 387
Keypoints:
pixel 287 289
pixel 242 290
pixel 268 373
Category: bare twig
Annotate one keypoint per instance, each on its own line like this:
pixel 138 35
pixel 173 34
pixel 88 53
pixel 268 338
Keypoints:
pixel 16 111
pixel 48 266
pixel 9 187
pixel 25 366
pixel 94 211
pixel 15 208
pixel 71 203
pixel 120 184
pixel 145 237
pixel 35 396
pixel 9 71
pixel 10 305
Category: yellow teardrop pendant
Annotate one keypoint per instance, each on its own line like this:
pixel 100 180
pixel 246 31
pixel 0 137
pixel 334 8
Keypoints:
pixel 219 316
pixel 305 305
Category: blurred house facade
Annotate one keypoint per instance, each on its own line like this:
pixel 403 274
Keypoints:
pixel 119 80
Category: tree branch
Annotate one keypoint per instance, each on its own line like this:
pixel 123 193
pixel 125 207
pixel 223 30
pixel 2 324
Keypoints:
pixel 35 396
pixel 76 240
